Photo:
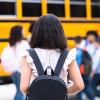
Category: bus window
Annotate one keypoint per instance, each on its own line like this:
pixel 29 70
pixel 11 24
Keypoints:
pixel 7 7
pixel 78 8
pixel 31 8
pixel 56 7
pixel 96 8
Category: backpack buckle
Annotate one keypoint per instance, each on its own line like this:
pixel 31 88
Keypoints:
pixel 49 71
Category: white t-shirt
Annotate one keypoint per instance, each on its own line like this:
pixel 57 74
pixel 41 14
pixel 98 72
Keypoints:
pixel 50 58
pixel 11 56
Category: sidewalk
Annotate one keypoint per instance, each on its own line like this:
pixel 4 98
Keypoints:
pixel 84 97
pixel 7 92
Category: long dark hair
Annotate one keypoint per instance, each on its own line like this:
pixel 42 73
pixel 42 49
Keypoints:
pixel 15 35
pixel 48 33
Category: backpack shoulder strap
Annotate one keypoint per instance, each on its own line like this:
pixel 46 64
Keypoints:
pixel 60 62
pixel 36 60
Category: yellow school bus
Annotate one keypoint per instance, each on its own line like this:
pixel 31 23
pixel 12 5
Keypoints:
pixel 77 16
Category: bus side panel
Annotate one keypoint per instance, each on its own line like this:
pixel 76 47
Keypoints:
pixel 74 29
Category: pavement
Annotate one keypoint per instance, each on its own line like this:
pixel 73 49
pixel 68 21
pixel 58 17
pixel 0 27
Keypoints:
pixel 7 92
pixel 83 97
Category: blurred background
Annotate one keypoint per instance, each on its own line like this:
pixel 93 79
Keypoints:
pixel 80 19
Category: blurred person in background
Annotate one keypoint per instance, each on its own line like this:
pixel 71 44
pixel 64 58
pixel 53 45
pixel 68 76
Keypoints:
pixel 91 36
pixel 96 68
pixel 11 55
pixel 82 58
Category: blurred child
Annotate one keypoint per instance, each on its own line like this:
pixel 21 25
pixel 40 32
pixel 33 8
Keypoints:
pixel 11 55
pixel 84 60
pixel 90 42
pixel 96 68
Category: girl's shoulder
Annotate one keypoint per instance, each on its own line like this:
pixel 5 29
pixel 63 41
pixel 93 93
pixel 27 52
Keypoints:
pixel 71 56
pixel 24 42
pixel 72 52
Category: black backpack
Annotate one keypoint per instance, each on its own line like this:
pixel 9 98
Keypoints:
pixel 48 87
pixel 86 64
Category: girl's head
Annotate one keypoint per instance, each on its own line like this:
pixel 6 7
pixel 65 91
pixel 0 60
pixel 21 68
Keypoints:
pixel 48 33
pixel 15 35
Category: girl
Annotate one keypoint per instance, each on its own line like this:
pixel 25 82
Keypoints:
pixel 48 41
